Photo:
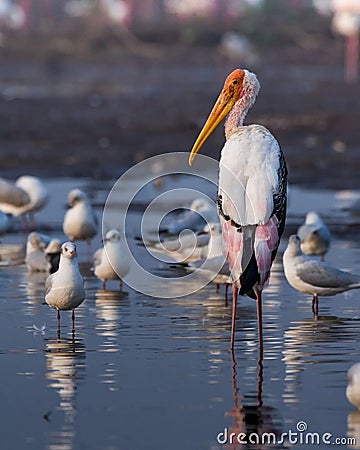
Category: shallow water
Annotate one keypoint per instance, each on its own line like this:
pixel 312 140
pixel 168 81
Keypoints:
pixel 143 372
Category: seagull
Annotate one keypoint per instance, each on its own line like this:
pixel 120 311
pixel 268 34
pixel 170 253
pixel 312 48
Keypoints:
pixel 35 258
pixel 37 195
pixel 110 262
pixel 251 192
pixel 65 288
pixel 42 253
pixel 80 222
pixel 52 254
pixel 353 386
pixel 200 212
pixel 314 277
pixel 314 235
pixel 188 246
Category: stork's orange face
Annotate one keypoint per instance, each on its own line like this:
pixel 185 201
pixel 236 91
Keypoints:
pixel 230 94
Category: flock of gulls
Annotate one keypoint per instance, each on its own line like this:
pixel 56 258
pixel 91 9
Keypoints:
pixel 234 240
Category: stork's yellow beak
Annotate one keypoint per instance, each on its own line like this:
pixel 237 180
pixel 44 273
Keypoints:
pixel 223 105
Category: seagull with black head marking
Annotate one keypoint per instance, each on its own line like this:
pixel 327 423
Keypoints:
pixel 65 288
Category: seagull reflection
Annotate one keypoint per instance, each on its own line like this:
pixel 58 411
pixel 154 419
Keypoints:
pixel 32 284
pixel 111 308
pixel 304 343
pixel 65 363
pixel 353 428
pixel 250 416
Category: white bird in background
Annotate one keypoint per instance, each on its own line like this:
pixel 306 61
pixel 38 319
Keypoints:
pixel 353 386
pixel 35 258
pixel 201 211
pixel 42 253
pixel 80 223
pixel 65 288
pixel 188 246
pixel 314 277
pixel 314 235
pixel 110 262
pixel 251 192
pixel 37 194
pixel 346 21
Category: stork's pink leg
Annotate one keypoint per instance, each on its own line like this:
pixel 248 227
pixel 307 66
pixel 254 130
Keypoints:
pixel 259 322
pixel 233 318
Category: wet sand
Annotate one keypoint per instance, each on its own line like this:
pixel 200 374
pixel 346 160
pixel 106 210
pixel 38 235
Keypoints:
pixel 94 116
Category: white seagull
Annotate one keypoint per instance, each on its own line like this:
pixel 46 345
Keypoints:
pixel 315 277
pixel 252 191
pixel 35 257
pixel 188 246
pixel 110 262
pixel 201 211
pixel 65 288
pixel 353 386
pixel 80 223
pixel 36 192
pixel 315 235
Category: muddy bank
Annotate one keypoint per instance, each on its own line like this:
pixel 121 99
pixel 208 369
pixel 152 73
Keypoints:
pixel 95 116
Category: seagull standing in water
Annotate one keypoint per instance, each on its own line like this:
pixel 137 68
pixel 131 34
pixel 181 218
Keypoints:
pixel 37 195
pixel 80 223
pixel 65 288
pixel 314 277
pixel 110 262
pixel 314 235
pixel 251 192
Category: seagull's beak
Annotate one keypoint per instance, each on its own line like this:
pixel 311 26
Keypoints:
pixel 228 97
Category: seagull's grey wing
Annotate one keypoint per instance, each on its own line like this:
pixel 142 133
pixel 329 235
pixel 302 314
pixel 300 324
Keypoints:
pixel 305 230
pixel 190 220
pixel 321 274
pixel 48 284
pixel 217 264
pixel 9 193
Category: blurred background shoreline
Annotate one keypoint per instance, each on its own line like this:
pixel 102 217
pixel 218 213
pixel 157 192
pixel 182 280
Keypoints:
pixel 88 88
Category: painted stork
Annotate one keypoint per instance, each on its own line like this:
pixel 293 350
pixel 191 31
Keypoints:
pixel 251 191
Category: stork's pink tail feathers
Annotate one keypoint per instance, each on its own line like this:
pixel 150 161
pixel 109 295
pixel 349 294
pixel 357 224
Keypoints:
pixel 266 241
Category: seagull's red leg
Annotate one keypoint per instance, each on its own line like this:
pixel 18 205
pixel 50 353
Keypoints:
pixel 73 320
pixel 104 285
pixel 259 322
pixel 120 285
pixel 226 294
pixel 233 318
pixel 217 288
pixel 315 305
pixel 58 322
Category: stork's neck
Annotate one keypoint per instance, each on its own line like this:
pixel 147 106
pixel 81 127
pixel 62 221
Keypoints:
pixel 236 117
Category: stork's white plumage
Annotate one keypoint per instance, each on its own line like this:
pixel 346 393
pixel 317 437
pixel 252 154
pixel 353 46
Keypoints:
pixel 251 192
